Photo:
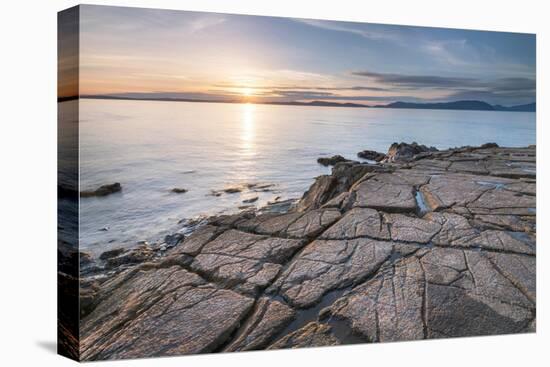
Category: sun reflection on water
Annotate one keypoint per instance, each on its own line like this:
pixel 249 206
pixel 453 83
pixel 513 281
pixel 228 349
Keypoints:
pixel 248 129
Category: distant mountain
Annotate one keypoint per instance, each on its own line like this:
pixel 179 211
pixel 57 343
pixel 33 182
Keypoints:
pixel 456 105
pixel 530 107
pixel 461 105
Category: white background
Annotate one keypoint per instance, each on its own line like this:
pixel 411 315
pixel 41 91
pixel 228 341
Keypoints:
pixel 28 181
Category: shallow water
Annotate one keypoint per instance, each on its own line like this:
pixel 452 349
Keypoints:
pixel 151 147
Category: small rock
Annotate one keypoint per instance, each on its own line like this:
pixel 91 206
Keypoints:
pixel 178 190
pixel 104 229
pixel 85 258
pixel 331 161
pixel 111 253
pixel 371 155
pixel 405 151
pixel 232 190
pixel 489 145
pixel 133 256
pixel 259 187
pixel 102 190
pixel 251 200
pixel 173 239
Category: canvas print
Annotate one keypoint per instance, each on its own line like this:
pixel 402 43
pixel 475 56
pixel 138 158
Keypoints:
pixel 235 183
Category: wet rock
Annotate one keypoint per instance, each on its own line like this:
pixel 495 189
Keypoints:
pixel 232 190
pixel 251 200
pixel 371 155
pixel 102 190
pixel 133 256
pixel 331 161
pixel 112 253
pixel 85 258
pixel 174 239
pixel 349 173
pixel 320 192
pixel 400 152
pixel 278 206
pixel 178 190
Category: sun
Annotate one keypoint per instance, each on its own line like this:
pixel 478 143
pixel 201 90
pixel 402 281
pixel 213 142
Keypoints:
pixel 247 92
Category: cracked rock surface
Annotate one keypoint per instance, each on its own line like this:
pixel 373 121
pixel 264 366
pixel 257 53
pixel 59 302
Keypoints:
pixel 441 244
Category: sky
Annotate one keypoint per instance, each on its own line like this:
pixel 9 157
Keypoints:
pixel 209 56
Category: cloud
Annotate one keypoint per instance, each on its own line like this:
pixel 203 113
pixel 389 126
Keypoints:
pixel 294 87
pixel 510 90
pixel 365 30
pixel 417 81
pixel 301 95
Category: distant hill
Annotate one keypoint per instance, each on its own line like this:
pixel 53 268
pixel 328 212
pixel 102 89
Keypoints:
pixel 530 107
pixel 456 105
pixel 461 105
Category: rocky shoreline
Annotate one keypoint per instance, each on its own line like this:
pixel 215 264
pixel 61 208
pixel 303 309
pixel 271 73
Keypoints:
pixel 424 244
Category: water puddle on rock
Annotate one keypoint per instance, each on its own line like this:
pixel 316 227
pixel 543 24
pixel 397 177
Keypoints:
pixel 420 203
pixel 496 185
pixel 340 329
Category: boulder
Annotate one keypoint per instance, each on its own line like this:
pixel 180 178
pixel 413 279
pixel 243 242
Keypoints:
pixel 371 155
pixel 102 190
pixel 331 161
pixel 111 253
pixel 137 255
pixel 402 152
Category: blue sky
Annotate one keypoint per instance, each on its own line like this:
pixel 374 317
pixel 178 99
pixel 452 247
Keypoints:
pixel 227 57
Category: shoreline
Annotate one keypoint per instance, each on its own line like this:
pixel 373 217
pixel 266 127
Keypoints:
pixel 452 220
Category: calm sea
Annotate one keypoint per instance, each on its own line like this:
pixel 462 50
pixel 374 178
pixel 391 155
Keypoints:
pixel 152 147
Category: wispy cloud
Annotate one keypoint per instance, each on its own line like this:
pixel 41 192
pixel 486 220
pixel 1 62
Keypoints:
pixel 368 31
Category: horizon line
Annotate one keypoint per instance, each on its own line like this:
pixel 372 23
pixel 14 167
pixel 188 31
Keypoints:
pixel 314 103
